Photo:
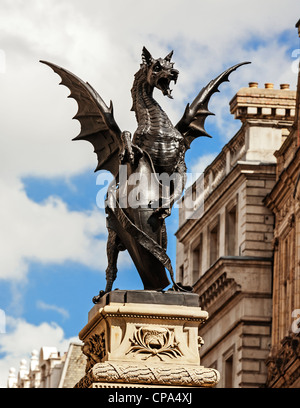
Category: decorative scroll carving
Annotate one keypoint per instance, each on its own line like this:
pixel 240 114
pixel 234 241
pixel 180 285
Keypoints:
pixel 150 374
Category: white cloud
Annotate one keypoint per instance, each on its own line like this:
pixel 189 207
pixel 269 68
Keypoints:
pixel 102 44
pixel 47 233
pixel 269 63
pixel 60 310
pixel 22 337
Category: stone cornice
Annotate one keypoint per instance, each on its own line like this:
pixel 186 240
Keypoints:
pixel 217 289
pixel 158 311
pixel 226 278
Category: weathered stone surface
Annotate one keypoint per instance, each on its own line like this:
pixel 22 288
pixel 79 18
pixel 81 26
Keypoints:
pixel 147 374
pixel 145 343
pixel 146 297
pixel 226 251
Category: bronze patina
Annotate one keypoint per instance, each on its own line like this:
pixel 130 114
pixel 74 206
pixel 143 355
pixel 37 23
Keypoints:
pixel 156 149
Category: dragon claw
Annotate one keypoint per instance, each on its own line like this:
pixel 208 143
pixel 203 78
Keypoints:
pixel 96 299
pixel 130 154
pixel 162 212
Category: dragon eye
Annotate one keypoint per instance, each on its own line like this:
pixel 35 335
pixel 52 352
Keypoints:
pixel 157 67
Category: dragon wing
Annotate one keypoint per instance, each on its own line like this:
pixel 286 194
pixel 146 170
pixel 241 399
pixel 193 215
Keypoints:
pixel 97 121
pixel 191 125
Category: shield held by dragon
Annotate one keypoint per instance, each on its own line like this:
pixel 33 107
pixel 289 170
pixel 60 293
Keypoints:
pixel 156 147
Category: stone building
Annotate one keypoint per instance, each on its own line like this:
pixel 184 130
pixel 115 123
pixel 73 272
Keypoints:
pixel 284 201
pixel 48 369
pixel 226 250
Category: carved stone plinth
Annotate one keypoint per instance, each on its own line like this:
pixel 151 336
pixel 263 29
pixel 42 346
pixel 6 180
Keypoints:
pixel 145 338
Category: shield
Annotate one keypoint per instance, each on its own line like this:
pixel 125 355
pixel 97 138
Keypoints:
pixel 131 206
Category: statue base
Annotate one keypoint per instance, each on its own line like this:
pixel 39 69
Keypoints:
pixel 145 339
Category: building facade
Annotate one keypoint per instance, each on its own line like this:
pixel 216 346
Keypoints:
pixel 226 252
pixel 49 369
pixel 284 201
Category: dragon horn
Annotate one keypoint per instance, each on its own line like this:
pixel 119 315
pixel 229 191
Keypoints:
pixel 169 56
pixel 146 56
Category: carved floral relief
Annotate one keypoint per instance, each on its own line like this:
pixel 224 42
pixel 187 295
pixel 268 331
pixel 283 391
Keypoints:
pixel 155 341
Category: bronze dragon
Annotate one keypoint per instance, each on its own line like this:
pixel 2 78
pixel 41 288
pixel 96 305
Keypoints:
pixel 157 147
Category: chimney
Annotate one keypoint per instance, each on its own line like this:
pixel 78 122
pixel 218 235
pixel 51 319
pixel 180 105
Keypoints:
pixel 265 103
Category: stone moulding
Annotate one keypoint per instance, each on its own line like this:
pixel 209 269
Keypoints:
pixel 156 312
pixel 145 345
pixel 148 375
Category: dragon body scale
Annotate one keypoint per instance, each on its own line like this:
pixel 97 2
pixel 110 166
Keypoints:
pixel 157 147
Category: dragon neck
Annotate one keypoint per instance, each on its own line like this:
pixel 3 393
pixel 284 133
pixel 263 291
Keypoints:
pixel 144 105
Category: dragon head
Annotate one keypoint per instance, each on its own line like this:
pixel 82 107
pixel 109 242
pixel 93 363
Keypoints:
pixel 159 72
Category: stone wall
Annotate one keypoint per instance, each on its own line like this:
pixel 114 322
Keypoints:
pixel 225 243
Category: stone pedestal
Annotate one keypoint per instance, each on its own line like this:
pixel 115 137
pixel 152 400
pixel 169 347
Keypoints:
pixel 144 339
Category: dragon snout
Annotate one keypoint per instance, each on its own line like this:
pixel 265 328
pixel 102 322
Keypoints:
pixel 174 75
pixel 163 83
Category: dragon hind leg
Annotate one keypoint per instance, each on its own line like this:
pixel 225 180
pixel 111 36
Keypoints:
pixel 113 248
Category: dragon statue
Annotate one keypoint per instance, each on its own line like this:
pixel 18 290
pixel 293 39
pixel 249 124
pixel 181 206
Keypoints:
pixel 157 147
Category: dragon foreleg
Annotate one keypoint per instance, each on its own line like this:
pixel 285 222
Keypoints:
pixel 129 151
pixel 176 187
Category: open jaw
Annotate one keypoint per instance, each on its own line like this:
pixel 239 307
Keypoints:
pixel 164 85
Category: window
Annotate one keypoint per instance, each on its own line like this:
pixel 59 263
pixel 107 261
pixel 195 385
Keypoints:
pixel 229 372
pixel 43 376
pixel 231 231
pixel 286 289
pixel 197 260
pixel 180 274
pixel 228 368
pixel 214 243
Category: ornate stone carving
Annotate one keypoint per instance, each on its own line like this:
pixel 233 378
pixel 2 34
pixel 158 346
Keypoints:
pixel 200 342
pixel 94 349
pixel 132 343
pixel 280 360
pixel 154 342
pixel 150 375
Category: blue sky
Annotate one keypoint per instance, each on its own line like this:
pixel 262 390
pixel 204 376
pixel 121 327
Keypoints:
pixel 52 233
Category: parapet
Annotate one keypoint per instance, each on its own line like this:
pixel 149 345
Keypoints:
pixel 264 103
